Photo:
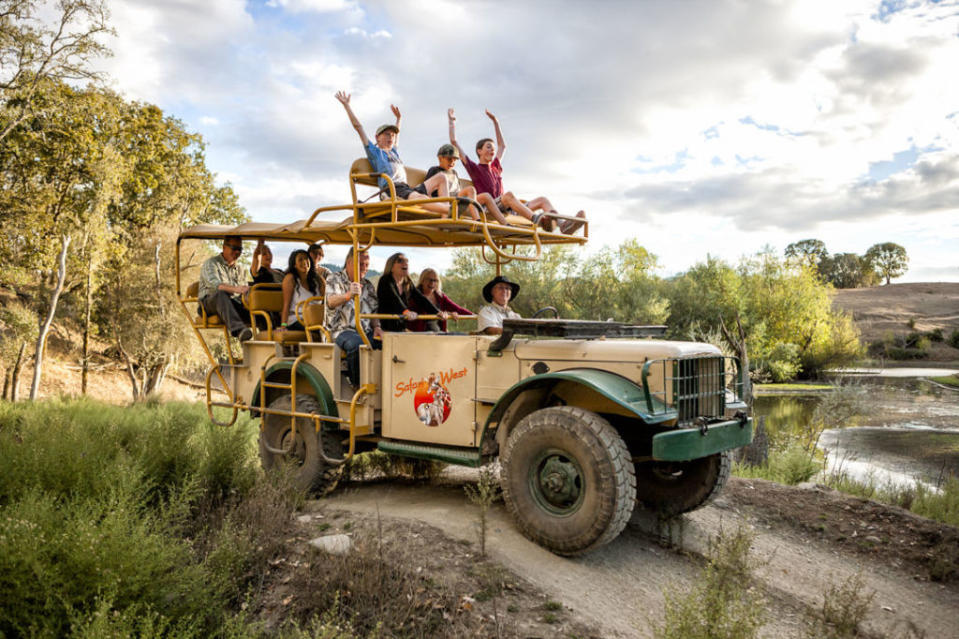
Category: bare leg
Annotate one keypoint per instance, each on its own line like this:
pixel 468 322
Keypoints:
pixel 513 202
pixel 470 192
pixel 487 200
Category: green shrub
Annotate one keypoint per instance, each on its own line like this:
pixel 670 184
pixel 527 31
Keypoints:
pixel 936 335
pixel 954 338
pixel 130 521
pixel 721 604
pixel 792 465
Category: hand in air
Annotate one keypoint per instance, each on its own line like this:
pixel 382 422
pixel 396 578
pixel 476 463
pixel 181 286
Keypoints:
pixel 343 97
pixel 449 114
pixel 396 111
pixel 490 115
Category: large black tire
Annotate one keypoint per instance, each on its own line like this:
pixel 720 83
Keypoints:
pixel 673 488
pixel 311 472
pixel 568 479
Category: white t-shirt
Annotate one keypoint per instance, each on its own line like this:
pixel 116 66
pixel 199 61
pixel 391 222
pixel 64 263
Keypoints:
pixel 492 316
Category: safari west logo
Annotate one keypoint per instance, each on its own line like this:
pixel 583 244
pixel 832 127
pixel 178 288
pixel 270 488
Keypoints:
pixel 431 397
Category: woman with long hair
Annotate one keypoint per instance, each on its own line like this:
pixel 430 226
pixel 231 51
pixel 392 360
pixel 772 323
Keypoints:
pixel 300 282
pixel 432 300
pixel 395 293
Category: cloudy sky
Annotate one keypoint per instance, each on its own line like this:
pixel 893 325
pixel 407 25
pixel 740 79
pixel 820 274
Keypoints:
pixel 715 127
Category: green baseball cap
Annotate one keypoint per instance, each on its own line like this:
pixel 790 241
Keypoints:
pixel 387 127
pixel 449 151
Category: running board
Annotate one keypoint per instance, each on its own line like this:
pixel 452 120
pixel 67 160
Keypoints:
pixel 460 456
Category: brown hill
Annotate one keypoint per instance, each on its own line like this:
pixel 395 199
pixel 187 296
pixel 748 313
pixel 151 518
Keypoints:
pixel 882 310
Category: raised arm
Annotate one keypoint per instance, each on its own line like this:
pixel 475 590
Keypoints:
pixel 396 111
pixel 452 119
pixel 344 99
pixel 500 142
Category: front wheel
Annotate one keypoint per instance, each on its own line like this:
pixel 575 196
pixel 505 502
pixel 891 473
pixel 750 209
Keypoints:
pixel 311 472
pixel 568 479
pixel 673 488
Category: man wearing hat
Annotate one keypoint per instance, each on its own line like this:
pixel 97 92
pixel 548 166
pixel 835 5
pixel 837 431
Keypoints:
pixel 447 155
pixel 498 292
pixel 385 158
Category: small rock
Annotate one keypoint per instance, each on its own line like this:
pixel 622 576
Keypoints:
pixel 873 539
pixel 333 544
pixel 305 519
pixel 888 609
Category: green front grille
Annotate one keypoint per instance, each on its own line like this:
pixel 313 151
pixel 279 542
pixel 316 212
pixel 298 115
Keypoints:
pixel 690 387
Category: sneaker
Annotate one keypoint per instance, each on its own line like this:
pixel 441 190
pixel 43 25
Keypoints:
pixel 245 335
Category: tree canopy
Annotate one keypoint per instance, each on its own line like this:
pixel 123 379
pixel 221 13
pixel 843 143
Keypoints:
pixel 888 259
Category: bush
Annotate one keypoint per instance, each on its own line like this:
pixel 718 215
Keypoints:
pixel 790 466
pixel 721 604
pixel 936 335
pixel 138 521
pixel 954 338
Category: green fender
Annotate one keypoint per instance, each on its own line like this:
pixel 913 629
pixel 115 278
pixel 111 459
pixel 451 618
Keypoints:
pixel 321 390
pixel 614 387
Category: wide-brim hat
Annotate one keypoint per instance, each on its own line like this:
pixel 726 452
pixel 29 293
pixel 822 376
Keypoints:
pixel 387 127
pixel 499 279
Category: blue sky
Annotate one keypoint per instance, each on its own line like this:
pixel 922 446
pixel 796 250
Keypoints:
pixel 717 127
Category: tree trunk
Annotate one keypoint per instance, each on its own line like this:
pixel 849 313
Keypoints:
pixel 45 327
pixel 6 382
pixel 15 376
pixel 85 362
pixel 738 344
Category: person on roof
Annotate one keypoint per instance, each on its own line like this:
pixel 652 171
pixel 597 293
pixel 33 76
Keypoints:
pixel 487 177
pixel 498 292
pixel 222 284
pixel 446 156
pixel 341 316
pixel 261 268
pixel 384 157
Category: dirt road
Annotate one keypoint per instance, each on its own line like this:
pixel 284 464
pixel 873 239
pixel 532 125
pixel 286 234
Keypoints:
pixel 618 589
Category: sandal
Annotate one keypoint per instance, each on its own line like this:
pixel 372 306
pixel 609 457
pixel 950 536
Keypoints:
pixel 568 227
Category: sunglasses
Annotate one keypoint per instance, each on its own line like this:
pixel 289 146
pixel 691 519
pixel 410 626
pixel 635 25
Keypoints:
pixel 236 247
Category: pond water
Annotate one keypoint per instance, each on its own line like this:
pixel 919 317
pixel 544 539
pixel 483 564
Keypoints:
pixel 908 430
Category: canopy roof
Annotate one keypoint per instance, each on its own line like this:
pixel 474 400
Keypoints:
pixel 415 232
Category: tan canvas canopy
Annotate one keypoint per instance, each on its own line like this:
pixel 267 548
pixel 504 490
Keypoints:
pixel 390 232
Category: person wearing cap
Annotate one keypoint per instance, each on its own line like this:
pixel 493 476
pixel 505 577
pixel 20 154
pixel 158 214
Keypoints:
pixel 384 157
pixel 487 177
pixel 498 292
pixel 447 155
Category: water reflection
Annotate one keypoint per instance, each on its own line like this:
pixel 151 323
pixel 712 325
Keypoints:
pixel 909 429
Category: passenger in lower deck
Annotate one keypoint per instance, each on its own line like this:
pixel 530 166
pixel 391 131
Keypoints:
pixel 299 284
pixel 498 292
pixel 341 290
pixel 434 302
pixel 222 284
pixel 261 267
pixel 395 294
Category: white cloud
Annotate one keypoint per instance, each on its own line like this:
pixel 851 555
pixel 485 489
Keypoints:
pixel 715 127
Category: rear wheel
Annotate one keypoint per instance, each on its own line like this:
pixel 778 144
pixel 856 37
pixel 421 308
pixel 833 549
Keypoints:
pixel 302 451
pixel 673 488
pixel 568 479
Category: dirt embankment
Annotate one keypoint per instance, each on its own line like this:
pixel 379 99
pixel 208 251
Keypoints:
pixel 882 310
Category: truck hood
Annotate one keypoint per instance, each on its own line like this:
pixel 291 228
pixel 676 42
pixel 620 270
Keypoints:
pixel 612 350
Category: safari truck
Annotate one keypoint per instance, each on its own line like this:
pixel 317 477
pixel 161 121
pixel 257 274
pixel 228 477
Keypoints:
pixel 588 418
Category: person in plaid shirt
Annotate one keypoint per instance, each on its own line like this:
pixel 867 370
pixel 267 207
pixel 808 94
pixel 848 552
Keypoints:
pixel 341 314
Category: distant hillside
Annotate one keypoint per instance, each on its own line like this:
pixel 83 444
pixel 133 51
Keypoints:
pixel 880 310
